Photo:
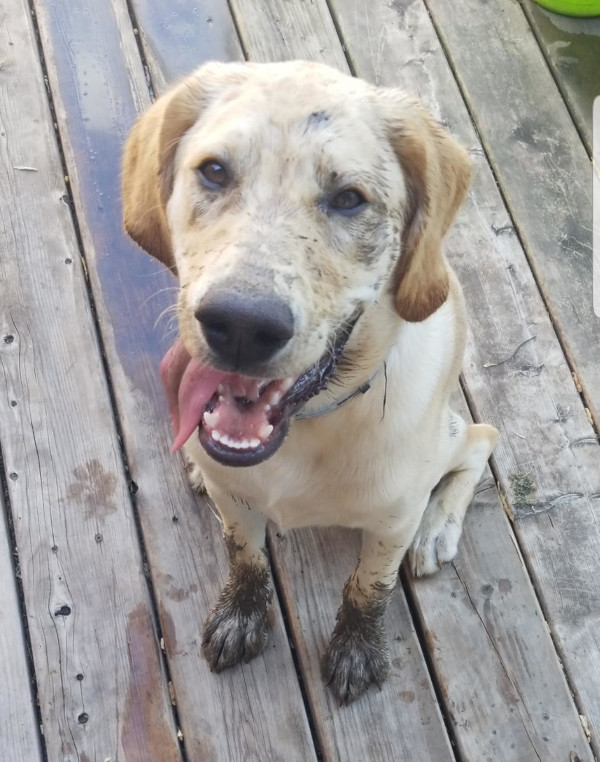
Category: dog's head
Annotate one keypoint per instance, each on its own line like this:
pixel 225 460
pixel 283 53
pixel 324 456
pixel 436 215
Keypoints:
pixel 288 198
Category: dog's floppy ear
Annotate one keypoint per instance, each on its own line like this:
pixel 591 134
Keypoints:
pixel 149 158
pixel 437 171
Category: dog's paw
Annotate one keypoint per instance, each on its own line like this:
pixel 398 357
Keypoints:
pixel 436 542
pixel 236 629
pixel 351 664
pixel 231 636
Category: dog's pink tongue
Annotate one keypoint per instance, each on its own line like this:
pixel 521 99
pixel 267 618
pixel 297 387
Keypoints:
pixel 189 386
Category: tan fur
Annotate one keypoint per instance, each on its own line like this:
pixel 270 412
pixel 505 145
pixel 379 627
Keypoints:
pixel 438 171
pixel 289 132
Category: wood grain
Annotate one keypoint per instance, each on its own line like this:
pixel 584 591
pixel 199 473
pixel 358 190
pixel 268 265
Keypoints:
pixel 178 41
pixel 254 712
pixel 18 724
pixel 571 47
pixel 101 689
pixel 516 376
pixel 403 720
pixel 539 160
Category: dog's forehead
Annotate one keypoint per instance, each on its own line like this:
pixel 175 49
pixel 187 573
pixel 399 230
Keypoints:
pixel 299 107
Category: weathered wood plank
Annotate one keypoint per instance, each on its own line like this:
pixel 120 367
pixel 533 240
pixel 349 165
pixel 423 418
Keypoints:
pixel 502 664
pixel 256 711
pixel 540 162
pixel 548 459
pixel 280 30
pixel 101 689
pixel 177 42
pixel 403 720
pixel 572 49
pixel 18 724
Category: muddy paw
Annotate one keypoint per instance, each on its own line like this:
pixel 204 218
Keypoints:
pixel 231 636
pixel 436 542
pixel 357 655
pixel 236 629
pixel 351 664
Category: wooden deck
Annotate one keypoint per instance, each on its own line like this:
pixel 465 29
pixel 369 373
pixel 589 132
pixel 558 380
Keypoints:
pixel 108 562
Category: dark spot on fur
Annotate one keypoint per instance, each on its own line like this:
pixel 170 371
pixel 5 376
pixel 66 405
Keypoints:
pixel 453 426
pixel 504 585
pixel 232 545
pixel 316 119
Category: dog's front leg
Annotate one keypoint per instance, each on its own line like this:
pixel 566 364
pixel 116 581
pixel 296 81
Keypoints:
pixel 357 654
pixel 236 628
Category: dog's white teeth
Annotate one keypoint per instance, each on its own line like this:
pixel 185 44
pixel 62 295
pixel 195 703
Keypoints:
pixel 239 444
pixel 267 408
pixel 275 398
pixel 221 389
pixel 221 398
pixel 286 384
pixel 265 431
pixel 210 419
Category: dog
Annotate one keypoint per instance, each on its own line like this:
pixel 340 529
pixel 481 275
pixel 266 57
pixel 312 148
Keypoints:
pixel 321 330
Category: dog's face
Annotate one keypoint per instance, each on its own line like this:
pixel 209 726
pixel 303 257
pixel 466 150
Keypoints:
pixel 288 197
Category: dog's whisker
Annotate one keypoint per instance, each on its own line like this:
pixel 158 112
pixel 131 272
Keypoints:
pixel 157 293
pixel 164 313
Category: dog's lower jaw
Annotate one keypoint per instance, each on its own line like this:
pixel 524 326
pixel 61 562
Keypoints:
pixel 357 655
pixel 236 629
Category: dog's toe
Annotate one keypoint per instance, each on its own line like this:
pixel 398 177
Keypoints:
pixel 436 543
pixel 350 667
pixel 231 636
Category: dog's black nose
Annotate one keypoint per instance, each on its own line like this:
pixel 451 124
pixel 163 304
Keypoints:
pixel 244 330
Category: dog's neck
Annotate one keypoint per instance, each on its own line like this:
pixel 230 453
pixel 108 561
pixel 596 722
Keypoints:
pixel 330 407
pixel 362 361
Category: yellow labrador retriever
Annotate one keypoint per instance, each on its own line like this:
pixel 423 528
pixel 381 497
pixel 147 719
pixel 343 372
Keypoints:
pixel 321 330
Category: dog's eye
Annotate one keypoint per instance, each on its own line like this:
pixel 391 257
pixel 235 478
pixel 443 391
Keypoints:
pixel 349 200
pixel 213 174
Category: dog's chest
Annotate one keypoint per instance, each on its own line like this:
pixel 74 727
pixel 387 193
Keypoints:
pixel 325 475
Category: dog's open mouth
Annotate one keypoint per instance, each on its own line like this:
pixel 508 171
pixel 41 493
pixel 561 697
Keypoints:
pixel 241 421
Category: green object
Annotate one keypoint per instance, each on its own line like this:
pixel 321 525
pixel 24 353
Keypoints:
pixel 572 7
